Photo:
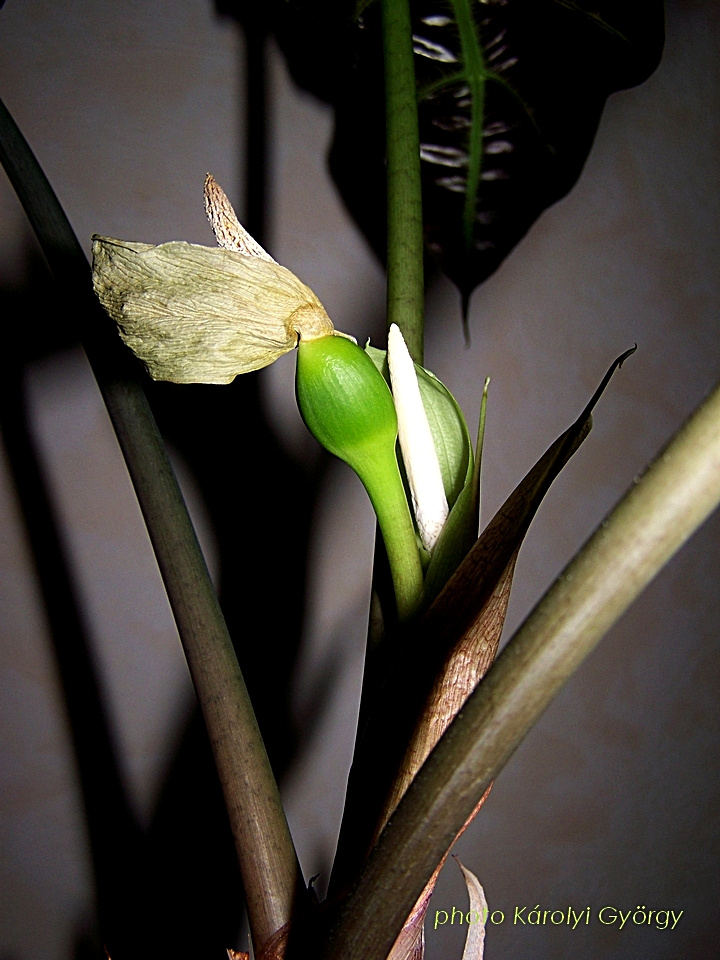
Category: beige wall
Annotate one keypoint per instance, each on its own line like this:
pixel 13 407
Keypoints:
pixel 613 798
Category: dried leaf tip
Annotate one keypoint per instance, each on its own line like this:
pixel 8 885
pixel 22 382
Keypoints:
pixel 418 449
pixel 475 940
pixel 195 314
pixel 229 232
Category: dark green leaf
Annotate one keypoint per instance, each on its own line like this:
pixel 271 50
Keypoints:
pixel 510 97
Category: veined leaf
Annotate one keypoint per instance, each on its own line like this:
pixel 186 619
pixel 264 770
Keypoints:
pixel 510 97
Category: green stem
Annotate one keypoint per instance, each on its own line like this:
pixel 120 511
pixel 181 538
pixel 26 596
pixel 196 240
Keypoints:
pixel 387 494
pixel 661 510
pixel 405 283
pixel 268 863
pixel 405 307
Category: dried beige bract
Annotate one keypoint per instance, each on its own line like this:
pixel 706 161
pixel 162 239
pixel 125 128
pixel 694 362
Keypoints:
pixel 229 232
pixel 197 314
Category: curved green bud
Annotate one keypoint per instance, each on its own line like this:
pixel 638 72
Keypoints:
pixel 345 402
pixel 347 406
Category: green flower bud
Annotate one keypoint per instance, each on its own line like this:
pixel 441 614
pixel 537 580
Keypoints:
pixel 347 406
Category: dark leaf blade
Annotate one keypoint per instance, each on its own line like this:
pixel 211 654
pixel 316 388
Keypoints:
pixel 508 112
pixel 510 98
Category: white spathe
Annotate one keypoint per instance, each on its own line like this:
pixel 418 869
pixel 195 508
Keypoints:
pixel 421 462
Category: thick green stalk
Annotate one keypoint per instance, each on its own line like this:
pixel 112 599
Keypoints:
pixel 387 495
pixel 405 307
pixel 661 510
pixel 405 285
pixel 270 871
pixel 347 406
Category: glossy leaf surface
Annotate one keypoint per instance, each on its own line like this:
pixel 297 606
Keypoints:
pixel 510 95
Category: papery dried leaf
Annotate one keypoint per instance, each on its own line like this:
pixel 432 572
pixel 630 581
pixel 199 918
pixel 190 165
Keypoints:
pixel 410 944
pixel 197 314
pixel 465 666
pixel 229 232
pixel 475 940
pixel 416 920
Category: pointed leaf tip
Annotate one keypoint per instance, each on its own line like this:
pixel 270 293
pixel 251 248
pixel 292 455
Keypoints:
pixel 229 232
pixel 475 940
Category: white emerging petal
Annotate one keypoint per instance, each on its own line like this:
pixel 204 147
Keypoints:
pixel 416 442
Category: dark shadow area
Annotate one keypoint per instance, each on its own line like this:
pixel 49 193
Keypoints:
pixel 175 887
pixel 113 834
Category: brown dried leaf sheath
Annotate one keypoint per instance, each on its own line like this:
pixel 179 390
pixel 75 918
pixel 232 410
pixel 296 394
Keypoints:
pixel 197 314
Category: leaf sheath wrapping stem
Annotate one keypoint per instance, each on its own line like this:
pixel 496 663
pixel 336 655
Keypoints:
pixel 662 509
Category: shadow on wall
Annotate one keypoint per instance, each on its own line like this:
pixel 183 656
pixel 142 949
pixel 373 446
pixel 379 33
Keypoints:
pixel 170 883
pixel 177 874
